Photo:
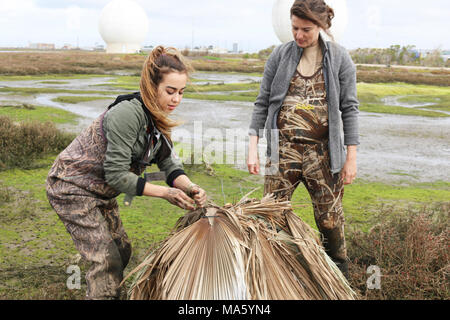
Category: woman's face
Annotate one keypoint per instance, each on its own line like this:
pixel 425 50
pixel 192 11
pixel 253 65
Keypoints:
pixel 306 33
pixel 170 90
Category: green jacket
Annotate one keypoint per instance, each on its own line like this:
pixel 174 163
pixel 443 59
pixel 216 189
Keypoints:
pixel 125 129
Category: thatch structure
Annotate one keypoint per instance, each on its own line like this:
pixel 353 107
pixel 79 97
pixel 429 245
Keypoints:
pixel 254 250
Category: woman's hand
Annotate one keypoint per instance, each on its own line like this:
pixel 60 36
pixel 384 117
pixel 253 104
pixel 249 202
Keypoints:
pixel 179 198
pixel 199 195
pixel 349 171
pixel 253 160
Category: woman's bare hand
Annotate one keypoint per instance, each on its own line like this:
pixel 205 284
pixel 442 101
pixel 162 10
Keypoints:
pixel 253 162
pixel 199 196
pixel 179 198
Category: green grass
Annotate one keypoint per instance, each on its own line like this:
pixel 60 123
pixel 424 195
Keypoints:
pixel 371 94
pixel 77 99
pixel 132 83
pixel 439 102
pixel 51 77
pixel 219 97
pixel 38 113
pixel 381 108
pixel 213 58
pixel 125 82
pixel 55 82
pixel 223 87
pixel 33 239
pixel 33 91
pixel 249 74
pixel 375 91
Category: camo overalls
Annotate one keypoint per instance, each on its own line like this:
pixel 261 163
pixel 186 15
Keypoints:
pixel 86 205
pixel 304 157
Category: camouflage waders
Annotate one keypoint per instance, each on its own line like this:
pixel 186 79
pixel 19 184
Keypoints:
pixel 304 157
pixel 86 205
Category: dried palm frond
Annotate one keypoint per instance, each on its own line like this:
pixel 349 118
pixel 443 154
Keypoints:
pixel 254 250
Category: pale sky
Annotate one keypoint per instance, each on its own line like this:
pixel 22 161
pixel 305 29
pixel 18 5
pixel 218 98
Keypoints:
pixel 371 23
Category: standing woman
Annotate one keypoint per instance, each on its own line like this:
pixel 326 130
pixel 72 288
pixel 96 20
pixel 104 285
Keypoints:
pixel 308 93
pixel 108 158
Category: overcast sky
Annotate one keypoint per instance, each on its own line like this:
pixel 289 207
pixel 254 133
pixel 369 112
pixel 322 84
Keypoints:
pixel 371 23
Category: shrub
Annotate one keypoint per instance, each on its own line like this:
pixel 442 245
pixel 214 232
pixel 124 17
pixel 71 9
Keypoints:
pixel 24 143
pixel 412 250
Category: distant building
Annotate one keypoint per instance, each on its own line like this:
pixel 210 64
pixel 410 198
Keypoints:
pixel 99 47
pixel 218 50
pixel 67 46
pixel 42 46
pixel 235 48
pixel 445 55
pixel 146 49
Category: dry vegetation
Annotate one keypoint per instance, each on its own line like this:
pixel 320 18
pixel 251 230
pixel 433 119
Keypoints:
pixel 437 77
pixel 82 62
pixel 411 247
pixel 70 62
pixel 21 145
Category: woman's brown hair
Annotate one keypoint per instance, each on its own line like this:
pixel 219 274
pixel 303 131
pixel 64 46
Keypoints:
pixel 159 62
pixel 316 11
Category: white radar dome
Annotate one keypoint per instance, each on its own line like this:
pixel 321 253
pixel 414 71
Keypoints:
pixel 281 19
pixel 123 25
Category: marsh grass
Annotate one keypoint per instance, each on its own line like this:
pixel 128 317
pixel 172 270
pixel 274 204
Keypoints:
pixel 34 242
pixel 23 143
pixel 438 102
pixel 27 112
pixel 34 91
pixel 84 63
pixel 410 246
pixel 77 99
pixel 411 76
pixel 381 108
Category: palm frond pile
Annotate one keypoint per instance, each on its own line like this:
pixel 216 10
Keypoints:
pixel 254 250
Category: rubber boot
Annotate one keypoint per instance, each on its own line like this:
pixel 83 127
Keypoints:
pixel 334 243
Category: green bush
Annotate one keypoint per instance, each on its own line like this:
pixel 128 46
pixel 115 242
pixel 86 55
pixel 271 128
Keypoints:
pixel 23 143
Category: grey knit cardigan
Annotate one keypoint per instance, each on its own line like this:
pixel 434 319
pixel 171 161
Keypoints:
pixel 340 83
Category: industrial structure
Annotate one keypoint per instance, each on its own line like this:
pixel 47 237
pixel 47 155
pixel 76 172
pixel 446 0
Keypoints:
pixel 123 25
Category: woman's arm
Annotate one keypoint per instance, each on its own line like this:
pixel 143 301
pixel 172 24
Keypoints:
pixel 260 112
pixel 348 101
pixel 349 108
pixel 121 126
